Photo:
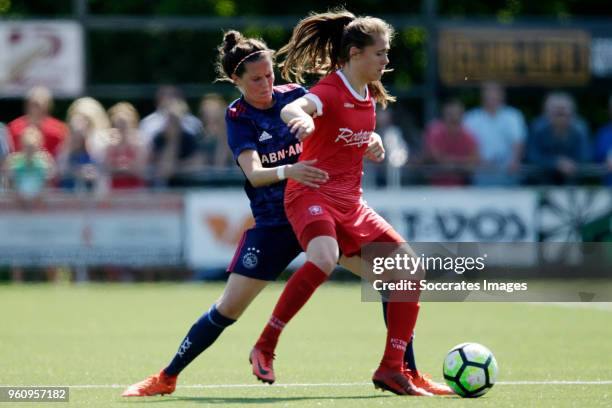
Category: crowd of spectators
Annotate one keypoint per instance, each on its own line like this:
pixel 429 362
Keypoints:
pixel 100 150
pixel 492 145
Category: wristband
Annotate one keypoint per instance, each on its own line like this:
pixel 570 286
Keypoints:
pixel 280 172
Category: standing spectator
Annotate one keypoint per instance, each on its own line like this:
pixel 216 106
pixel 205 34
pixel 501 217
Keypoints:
pixel 215 148
pixel 397 151
pixel 154 123
pixel 543 119
pixel 98 135
pixel 603 146
pixel 558 147
pixel 175 151
pixel 39 103
pixel 500 132
pixel 30 169
pixel 5 146
pixel 125 157
pixel 449 144
pixel 82 152
pixel 29 172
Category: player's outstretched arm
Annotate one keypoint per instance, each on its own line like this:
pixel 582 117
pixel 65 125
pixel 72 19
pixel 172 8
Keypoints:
pixel 298 116
pixel 303 172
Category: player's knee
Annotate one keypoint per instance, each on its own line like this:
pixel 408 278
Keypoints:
pixel 324 253
pixel 326 261
pixel 229 309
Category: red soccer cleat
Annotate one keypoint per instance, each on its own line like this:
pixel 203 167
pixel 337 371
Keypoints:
pixel 398 382
pixel 425 382
pixel 262 365
pixel 158 384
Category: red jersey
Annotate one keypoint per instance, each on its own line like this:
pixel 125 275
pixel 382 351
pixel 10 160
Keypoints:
pixel 118 158
pixel 53 131
pixel 343 125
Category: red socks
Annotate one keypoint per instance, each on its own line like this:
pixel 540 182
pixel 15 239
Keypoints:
pixel 401 319
pixel 401 316
pixel 298 290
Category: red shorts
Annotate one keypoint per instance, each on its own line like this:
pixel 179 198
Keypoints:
pixel 311 215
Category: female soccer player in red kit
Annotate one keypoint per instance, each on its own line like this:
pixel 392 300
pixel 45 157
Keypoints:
pixel 335 121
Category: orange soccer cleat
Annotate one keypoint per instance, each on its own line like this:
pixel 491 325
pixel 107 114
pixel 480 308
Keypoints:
pixel 262 365
pixel 158 384
pixel 425 382
pixel 398 382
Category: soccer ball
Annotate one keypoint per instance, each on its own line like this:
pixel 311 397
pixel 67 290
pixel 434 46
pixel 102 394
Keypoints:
pixel 470 369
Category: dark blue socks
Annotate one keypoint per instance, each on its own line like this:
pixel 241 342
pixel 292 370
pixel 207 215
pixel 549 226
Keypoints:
pixel 202 334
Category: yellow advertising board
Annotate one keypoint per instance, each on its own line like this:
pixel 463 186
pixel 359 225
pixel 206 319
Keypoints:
pixel 538 57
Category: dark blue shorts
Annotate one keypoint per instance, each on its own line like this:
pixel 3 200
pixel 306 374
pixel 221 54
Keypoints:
pixel 265 252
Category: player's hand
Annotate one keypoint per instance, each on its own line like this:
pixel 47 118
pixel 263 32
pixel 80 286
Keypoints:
pixel 301 126
pixel 304 172
pixel 375 150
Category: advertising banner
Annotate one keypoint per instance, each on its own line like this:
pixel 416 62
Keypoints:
pixel 142 230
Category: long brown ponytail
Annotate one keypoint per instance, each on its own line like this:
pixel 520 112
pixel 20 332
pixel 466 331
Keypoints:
pixel 320 44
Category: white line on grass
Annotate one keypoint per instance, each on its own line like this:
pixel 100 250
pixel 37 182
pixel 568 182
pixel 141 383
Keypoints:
pixel 603 306
pixel 312 385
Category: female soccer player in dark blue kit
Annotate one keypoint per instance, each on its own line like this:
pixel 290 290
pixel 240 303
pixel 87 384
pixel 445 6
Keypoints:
pixel 267 152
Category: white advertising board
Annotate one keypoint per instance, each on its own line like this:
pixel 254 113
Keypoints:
pixel 47 53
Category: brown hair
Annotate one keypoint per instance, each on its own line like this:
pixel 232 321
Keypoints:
pixel 320 44
pixel 125 110
pixel 235 51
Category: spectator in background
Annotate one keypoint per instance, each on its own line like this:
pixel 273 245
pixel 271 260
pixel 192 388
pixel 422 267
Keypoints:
pixel 82 152
pixel 30 169
pixel 125 158
pixel 558 147
pixel 29 172
pixel 543 120
pixel 38 104
pixel 397 152
pixel 500 132
pixel 215 148
pixel 449 143
pixel 603 146
pixel 5 146
pixel 155 123
pixel 175 151
pixel 98 136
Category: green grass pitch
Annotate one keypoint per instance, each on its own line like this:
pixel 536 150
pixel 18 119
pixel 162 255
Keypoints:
pixel 100 338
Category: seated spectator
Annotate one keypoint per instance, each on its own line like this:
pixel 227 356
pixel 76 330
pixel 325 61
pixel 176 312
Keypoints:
pixel 175 151
pixel 215 148
pixel 37 107
pixel 30 169
pixel 125 157
pixel 155 123
pixel 448 143
pixel 603 146
pixel 500 132
pixel 558 147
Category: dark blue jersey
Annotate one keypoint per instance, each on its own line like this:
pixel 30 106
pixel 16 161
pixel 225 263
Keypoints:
pixel 262 130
